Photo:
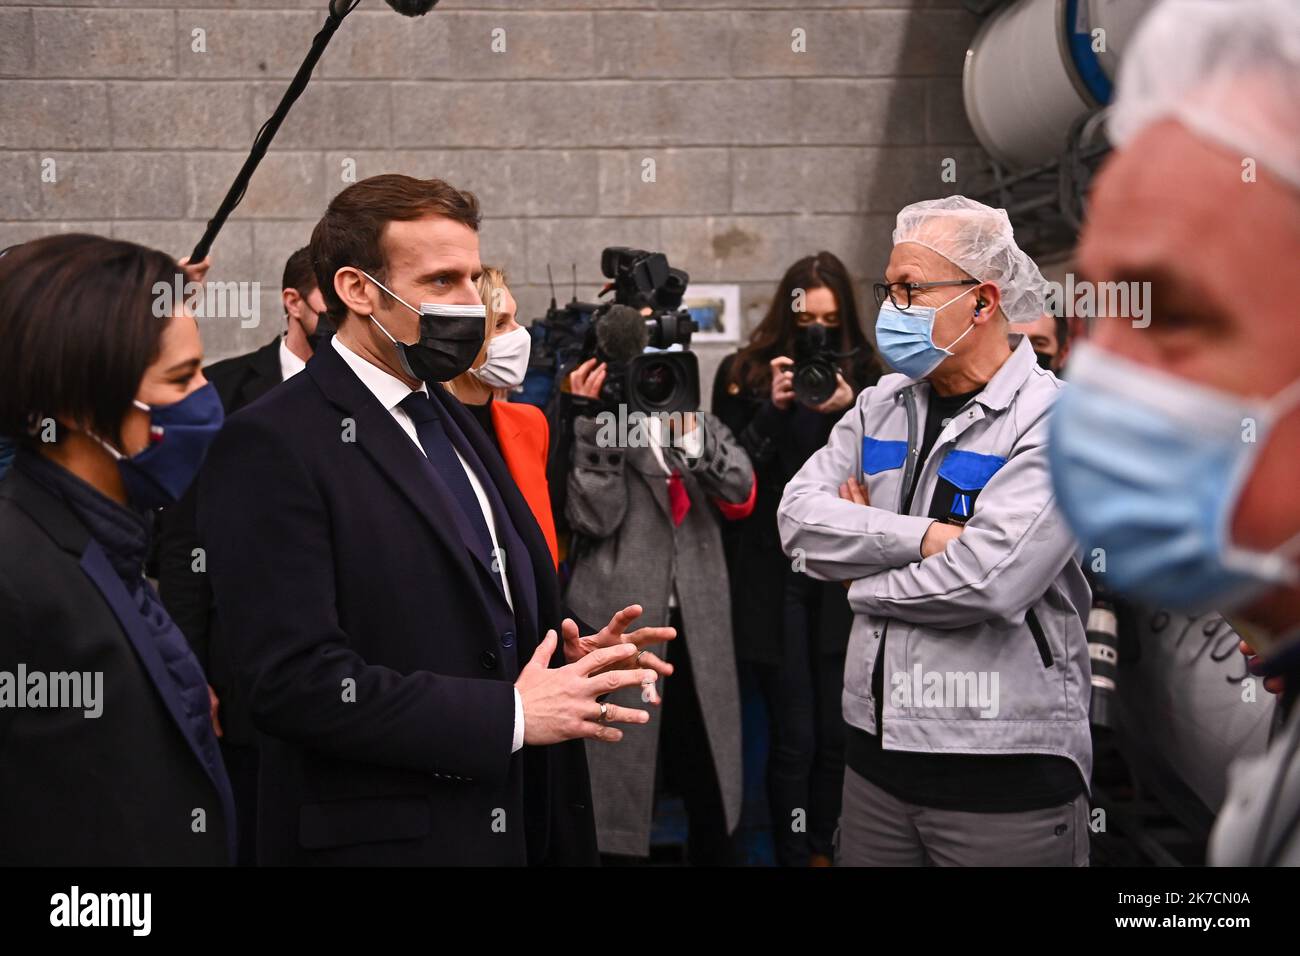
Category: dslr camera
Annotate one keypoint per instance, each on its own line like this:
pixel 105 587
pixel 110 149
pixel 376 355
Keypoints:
pixel 815 365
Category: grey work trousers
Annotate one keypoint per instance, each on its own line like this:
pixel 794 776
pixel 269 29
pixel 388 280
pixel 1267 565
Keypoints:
pixel 877 829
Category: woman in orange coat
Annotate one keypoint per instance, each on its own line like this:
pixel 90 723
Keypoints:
pixel 519 431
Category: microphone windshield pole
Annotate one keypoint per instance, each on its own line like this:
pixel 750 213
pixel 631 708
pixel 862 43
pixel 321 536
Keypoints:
pixel 337 11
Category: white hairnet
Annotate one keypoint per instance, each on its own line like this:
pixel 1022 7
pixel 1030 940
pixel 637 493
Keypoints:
pixel 977 239
pixel 1229 72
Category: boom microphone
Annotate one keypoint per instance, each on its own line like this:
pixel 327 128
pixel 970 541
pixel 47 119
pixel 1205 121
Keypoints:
pixel 338 9
pixel 621 333
pixel 412 8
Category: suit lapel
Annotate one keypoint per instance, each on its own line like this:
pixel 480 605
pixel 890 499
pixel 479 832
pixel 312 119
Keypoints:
pixel 264 373
pixel 536 559
pixel 644 462
pixel 384 442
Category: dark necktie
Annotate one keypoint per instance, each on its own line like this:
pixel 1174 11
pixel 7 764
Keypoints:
pixel 442 455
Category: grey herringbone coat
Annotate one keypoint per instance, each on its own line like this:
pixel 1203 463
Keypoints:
pixel 618 499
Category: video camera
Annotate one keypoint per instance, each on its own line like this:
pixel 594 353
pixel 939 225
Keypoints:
pixel 646 313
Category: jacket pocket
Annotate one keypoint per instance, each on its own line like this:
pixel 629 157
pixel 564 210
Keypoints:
pixel 1040 638
pixel 961 477
pixel 879 455
pixel 363 820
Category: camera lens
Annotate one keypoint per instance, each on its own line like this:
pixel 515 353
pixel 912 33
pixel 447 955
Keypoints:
pixel 1103 653
pixel 657 383
pixel 815 382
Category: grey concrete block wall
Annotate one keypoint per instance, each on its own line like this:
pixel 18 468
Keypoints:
pixel 131 117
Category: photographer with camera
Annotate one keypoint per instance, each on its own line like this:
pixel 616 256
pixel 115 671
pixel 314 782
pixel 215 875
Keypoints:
pixel 650 476
pixel 791 631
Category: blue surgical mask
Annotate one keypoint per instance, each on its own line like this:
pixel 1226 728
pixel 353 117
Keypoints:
pixel 906 339
pixel 1149 468
pixel 179 436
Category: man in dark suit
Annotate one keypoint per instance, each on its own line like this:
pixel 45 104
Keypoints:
pixel 385 587
pixel 182 580
pixel 244 378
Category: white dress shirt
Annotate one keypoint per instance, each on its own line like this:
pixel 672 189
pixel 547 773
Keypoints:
pixel 391 391
pixel 290 364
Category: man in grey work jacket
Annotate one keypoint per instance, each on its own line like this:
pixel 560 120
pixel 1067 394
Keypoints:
pixel 966 685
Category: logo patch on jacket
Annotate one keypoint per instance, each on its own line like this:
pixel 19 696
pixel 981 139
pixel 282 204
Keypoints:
pixel 962 476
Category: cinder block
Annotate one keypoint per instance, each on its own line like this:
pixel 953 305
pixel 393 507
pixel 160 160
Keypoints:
pixel 788 178
pixel 800 43
pixel 440 115
pixel 46 114
pixel 533 182
pixel 564 242
pixel 686 181
pixel 503 243
pixel 508 45
pixel 287 185
pixel 684 44
pixel 244 44
pixel 171 115
pixel 565 4
pixel 329 114
pixel 870 112
pixel 344 167
pixel 533 300
pixel 969 166
pixel 231 254
pixel 946 113
pixel 785 4
pixel 847 178
pixel 375 44
pixel 935 43
pixel 223 338
pixel 17 42
pixel 115 186
pixel 12 233
pixel 104 43
pixel 690 113
pixel 273 242
pixel 21 192
pixel 758 248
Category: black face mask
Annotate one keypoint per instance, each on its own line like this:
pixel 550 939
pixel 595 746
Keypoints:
pixel 450 338
pixel 325 327
pixel 1045 360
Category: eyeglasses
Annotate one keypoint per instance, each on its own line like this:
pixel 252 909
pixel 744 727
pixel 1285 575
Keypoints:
pixel 900 293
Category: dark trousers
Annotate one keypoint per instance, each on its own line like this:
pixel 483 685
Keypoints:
pixel 686 761
pixel 241 766
pixel 805 765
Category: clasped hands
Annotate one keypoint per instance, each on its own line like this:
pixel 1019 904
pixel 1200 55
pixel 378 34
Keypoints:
pixel 560 703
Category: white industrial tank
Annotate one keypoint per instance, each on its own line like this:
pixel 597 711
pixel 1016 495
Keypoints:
pixel 1034 67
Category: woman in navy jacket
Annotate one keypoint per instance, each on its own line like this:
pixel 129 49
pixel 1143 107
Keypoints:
pixel 107 747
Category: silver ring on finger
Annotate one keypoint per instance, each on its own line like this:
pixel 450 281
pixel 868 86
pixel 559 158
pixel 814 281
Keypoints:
pixel 636 661
pixel 604 711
